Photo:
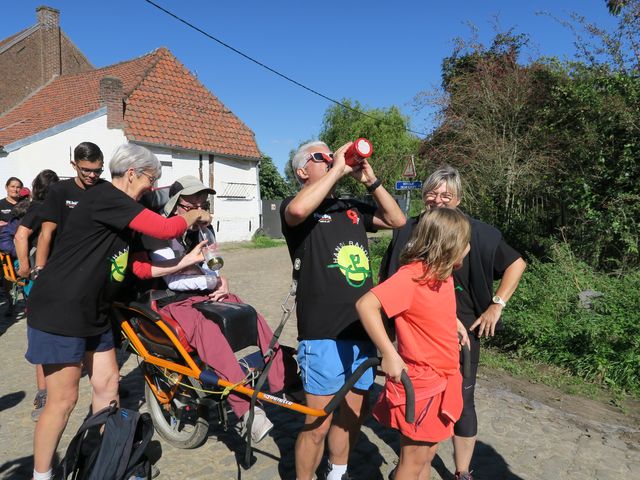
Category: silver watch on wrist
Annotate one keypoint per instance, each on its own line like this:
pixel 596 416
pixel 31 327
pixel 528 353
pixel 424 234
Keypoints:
pixel 499 301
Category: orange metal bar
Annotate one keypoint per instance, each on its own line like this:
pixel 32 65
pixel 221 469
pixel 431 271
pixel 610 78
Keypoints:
pixel 274 400
pixel 176 343
pixel 8 270
pixel 162 397
pixel 194 370
pixel 161 362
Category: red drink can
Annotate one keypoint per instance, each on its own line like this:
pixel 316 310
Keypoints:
pixel 358 150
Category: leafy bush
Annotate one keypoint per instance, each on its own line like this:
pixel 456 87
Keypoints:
pixel 377 248
pixel 546 321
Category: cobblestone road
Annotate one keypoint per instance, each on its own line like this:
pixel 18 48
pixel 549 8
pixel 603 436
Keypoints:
pixel 519 438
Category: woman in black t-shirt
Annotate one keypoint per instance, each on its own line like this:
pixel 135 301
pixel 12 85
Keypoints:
pixel 13 186
pixel 24 240
pixel 478 307
pixel 68 323
pixel 27 232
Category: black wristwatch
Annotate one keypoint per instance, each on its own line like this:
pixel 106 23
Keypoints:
pixel 371 188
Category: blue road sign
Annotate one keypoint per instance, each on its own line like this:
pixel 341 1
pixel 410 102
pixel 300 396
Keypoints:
pixel 404 185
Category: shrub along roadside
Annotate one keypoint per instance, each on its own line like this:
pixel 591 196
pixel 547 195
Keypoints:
pixel 545 321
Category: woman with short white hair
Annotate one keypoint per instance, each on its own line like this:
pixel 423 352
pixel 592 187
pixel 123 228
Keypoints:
pixel 68 323
pixel 478 305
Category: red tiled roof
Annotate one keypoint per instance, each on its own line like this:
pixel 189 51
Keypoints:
pixel 165 105
pixel 171 107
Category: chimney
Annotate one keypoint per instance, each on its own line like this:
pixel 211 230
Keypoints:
pixel 111 96
pixel 49 22
pixel 48 17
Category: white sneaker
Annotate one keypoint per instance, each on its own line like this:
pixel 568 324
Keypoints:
pixel 261 425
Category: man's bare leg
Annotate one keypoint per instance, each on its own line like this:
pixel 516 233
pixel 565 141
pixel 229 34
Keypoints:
pixel 310 442
pixel 343 434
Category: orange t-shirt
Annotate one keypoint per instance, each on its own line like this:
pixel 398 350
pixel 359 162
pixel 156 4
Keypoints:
pixel 425 319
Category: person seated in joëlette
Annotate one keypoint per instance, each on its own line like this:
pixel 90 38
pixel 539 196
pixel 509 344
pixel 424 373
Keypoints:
pixel 198 283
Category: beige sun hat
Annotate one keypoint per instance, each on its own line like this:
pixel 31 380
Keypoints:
pixel 187 185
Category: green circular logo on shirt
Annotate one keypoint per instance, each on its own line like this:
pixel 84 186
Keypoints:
pixel 353 262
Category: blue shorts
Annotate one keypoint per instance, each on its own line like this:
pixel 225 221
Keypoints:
pixel 48 348
pixel 325 364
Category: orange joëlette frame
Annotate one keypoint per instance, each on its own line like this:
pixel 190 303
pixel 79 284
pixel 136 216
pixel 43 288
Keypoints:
pixel 192 370
pixel 9 271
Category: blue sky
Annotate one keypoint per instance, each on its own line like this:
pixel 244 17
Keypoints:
pixel 380 53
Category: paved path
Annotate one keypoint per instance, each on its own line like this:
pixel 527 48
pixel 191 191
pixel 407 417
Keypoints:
pixel 519 438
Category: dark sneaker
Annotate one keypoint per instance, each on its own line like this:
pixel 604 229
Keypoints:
pixel 38 404
pixel 463 476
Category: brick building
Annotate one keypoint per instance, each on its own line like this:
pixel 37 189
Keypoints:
pixel 31 58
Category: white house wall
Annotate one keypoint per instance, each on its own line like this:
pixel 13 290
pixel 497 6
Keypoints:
pixel 177 163
pixel 55 151
pixel 234 218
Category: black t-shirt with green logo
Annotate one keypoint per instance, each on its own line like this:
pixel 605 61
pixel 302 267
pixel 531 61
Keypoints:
pixel 335 267
pixel 72 294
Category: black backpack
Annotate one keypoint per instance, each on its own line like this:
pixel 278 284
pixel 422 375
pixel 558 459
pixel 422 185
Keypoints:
pixel 116 453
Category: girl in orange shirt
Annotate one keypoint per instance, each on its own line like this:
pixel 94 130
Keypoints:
pixel 421 297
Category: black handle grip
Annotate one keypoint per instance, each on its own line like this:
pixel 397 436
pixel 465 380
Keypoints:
pixel 410 407
pixel 466 361
pixel 367 364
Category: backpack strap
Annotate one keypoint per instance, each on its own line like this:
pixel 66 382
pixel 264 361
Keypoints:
pixel 116 445
pixel 72 455
pixel 143 434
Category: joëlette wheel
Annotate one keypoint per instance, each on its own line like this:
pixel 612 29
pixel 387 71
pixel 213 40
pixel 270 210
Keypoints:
pixel 190 433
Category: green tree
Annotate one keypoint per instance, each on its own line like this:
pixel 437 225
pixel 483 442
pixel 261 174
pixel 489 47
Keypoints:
pixel 546 150
pixel 272 185
pixel 386 128
pixel 490 129
pixel 593 120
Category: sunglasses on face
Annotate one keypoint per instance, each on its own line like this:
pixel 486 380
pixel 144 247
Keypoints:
pixel 187 207
pixel 320 157
pixel 89 171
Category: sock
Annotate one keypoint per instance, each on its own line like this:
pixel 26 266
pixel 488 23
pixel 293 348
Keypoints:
pixel 43 476
pixel 336 471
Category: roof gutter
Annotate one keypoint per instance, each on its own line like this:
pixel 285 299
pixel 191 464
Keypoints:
pixel 49 132
pixel 177 147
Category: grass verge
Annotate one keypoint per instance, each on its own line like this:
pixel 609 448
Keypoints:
pixel 262 241
pixel 552 376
